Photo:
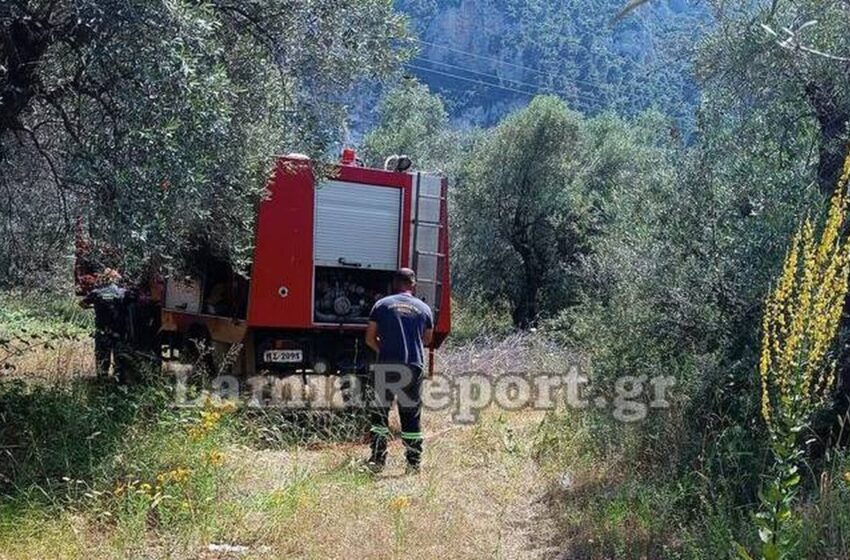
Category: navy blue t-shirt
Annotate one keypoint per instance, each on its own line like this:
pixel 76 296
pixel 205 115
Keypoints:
pixel 402 319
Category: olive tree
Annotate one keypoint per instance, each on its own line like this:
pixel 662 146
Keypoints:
pixel 412 121
pixel 518 226
pixel 794 56
pixel 158 120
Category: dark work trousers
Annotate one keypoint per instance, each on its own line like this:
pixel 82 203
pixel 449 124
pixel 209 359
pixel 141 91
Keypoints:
pixel 406 388
pixel 103 346
pixel 109 347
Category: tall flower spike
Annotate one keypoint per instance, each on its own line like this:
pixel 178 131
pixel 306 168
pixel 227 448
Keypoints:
pixel 802 317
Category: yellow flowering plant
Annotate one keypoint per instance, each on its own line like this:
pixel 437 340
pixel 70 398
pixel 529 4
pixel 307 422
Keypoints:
pixel 398 506
pixel 797 366
pixel 210 417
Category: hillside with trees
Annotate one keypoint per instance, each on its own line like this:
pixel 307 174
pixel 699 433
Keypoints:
pixel 649 197
pixel 488 58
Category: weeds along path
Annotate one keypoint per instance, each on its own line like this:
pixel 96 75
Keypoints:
pixel 479 496
pixel 480 493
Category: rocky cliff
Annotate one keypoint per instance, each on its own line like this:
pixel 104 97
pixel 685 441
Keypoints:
pixel 489 56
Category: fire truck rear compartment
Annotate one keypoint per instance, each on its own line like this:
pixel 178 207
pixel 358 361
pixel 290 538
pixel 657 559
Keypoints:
pixel 346 295
pixel 356 249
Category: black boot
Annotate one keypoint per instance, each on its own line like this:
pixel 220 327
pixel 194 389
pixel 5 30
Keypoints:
pixel 378 448
pixel 412 451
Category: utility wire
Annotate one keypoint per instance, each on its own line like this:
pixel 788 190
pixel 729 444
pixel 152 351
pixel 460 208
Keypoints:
pixel 482 57
pixel 505 62
pixel 596 84
pixel 565 93
pixel 480 82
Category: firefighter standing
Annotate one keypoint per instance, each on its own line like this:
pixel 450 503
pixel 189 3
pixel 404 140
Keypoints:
pixel 400 326
pixel 110 320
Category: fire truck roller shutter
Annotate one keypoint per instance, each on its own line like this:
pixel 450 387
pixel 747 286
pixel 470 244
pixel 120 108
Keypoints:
pixel 357 225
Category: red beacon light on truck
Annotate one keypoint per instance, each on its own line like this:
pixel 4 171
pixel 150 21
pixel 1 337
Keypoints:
pixel 348 157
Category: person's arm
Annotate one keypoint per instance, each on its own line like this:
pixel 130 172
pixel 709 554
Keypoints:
pixel 428 337
pixel 428 333
pixel 88 300
pixel 372 340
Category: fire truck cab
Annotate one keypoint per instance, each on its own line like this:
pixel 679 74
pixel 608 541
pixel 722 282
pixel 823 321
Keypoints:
pixel 325 252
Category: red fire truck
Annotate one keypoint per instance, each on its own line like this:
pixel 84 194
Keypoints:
pixel 325 251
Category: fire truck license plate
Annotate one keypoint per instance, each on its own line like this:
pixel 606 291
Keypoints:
pixel 283 356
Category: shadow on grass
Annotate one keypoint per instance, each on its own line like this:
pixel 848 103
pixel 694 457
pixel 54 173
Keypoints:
pixel 273 428
pixel 55 439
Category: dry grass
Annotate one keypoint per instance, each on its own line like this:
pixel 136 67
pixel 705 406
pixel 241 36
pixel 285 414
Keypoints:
pixel 480 495
pixel 477 502
pixel 517 353
pixel 63 361
pixel 474 499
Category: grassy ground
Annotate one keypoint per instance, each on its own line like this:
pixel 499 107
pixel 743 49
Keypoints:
pixel 478 497
pixel 87 471
pixel 44 336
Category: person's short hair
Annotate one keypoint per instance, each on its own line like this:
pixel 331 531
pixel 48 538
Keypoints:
pixel 404 277
pixel 107 277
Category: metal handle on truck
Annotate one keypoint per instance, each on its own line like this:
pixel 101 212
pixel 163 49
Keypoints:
pixel 344 262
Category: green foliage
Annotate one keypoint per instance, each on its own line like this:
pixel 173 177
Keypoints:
pixel 44 313
pixel 785 58
pixel 518 223
pixel 124 457
pixel 411 121
pixel 474 319
pixel 38 321
pixel 797 366
pixel 673 283
pixel 681 258
pixel 158 121
pixel 647 249
pixel 826 528
pixel 686 243
pixel 541 218
pixel 54 437
pixel 571 48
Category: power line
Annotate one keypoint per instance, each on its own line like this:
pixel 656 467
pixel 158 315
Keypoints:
pixel 604 87
pixel 479 82
pixel 565 93
pixel 596 84
pixel 505 62
pixel 482 57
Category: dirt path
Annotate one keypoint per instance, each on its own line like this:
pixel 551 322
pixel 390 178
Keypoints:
pixel 479 496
